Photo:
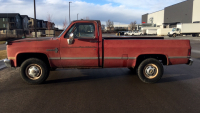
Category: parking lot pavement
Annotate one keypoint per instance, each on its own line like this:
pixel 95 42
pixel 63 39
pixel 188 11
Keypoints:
pixel 184 37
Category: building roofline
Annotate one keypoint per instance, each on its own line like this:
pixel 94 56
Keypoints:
pixel 177 3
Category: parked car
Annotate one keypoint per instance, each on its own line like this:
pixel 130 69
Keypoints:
pixel 121 32
pixel 138 33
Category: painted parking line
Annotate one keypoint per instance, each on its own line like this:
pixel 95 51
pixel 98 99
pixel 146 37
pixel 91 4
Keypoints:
pixel 195 51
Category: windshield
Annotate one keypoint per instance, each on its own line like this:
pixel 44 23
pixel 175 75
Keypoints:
pixel 174 29
pixel 63 31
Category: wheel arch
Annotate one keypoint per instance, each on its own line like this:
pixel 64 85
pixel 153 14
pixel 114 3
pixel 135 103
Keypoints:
pixel 21 57
pixel 161 57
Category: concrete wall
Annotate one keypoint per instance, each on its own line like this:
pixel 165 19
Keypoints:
pixel 158 17
pixel 196 11
pixel 144 18
pixel 181 12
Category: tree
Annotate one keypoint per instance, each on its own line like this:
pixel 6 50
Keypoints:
pixel 110 24
pixel 64 24
pixel 103 27
pixel 132 25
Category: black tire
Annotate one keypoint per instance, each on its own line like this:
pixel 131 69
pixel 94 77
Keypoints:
pixel 174 35
pixel 38 67
pixel 150 70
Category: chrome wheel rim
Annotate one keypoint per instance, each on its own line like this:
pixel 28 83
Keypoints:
pixel 150 71
pixel 33 71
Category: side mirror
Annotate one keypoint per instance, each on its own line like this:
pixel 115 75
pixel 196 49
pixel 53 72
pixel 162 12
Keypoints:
pixel 71 39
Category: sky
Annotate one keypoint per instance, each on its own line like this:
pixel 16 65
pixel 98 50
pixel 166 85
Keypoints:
pixel 118 11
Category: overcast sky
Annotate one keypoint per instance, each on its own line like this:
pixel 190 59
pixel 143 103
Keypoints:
pixel 122 11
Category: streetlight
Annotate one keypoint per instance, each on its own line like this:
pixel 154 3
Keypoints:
pixel 77 16
pixel 69 12
pixel 35 19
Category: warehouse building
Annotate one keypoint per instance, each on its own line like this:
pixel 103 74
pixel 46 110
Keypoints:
pixel 184 12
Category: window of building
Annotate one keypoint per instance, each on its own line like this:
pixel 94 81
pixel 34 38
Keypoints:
pixel 3 19
pixel 4 25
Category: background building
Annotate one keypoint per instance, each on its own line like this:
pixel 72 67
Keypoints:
pixel 184 12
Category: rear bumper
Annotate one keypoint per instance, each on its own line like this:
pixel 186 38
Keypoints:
pixel 7 62
pixel 190 62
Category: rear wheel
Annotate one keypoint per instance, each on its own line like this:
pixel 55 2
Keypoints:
pixel 174 35
pixel 150 70
pixel 34 71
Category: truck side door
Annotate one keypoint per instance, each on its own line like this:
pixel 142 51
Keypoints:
pixel 83 51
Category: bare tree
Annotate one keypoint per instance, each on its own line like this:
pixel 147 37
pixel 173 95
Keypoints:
pixel 103 27
pixel 132 25
pixel 110 24
pixel 64 24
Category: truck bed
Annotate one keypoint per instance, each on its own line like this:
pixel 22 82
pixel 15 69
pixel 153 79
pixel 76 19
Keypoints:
pixel 126 37
pixel 124 51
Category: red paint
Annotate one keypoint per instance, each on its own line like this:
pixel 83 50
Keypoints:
pixel 93 53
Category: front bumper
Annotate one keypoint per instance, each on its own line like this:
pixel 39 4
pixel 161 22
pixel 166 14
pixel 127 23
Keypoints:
pixel 7 62
pixel 190 62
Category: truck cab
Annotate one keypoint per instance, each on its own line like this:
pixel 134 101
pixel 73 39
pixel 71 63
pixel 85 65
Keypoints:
pixel 174 32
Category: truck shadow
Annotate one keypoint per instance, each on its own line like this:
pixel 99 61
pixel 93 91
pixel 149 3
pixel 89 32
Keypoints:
pixel 78 75
pixel 89 74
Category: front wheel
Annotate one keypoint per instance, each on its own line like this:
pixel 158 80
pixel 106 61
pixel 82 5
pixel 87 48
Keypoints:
pixel 34 71
pixel 174 35
pixel 150 70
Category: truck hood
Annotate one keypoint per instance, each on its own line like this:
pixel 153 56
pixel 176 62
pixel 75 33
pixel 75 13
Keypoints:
pixel 31 39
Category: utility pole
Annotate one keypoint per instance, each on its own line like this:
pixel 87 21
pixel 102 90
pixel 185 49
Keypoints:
pixel 35 23
pixel 69 13
pixel 77 16
pixel 6 25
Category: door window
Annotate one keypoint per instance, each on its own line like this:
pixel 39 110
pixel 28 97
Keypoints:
pixel 81 30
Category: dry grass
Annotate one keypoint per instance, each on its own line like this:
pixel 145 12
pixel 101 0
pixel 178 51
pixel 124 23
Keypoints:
pixel 3 54
pixel 2 42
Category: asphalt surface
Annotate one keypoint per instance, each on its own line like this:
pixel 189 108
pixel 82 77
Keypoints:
pixel 116 90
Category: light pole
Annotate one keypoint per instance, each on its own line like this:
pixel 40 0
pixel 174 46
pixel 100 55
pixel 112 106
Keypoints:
pixel 77 16
pixel 69 12
pixel 35 20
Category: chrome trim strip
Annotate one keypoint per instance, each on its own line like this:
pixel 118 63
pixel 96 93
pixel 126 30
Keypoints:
pixel 179 57
pixel 113 58
pixel 78 58
pixel 131 57
pixel 119 58
pixel 89 58
pixel 12 58
pixel 54 58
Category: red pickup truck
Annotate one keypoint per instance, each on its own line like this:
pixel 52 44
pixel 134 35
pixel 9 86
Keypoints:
pixel 81 45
